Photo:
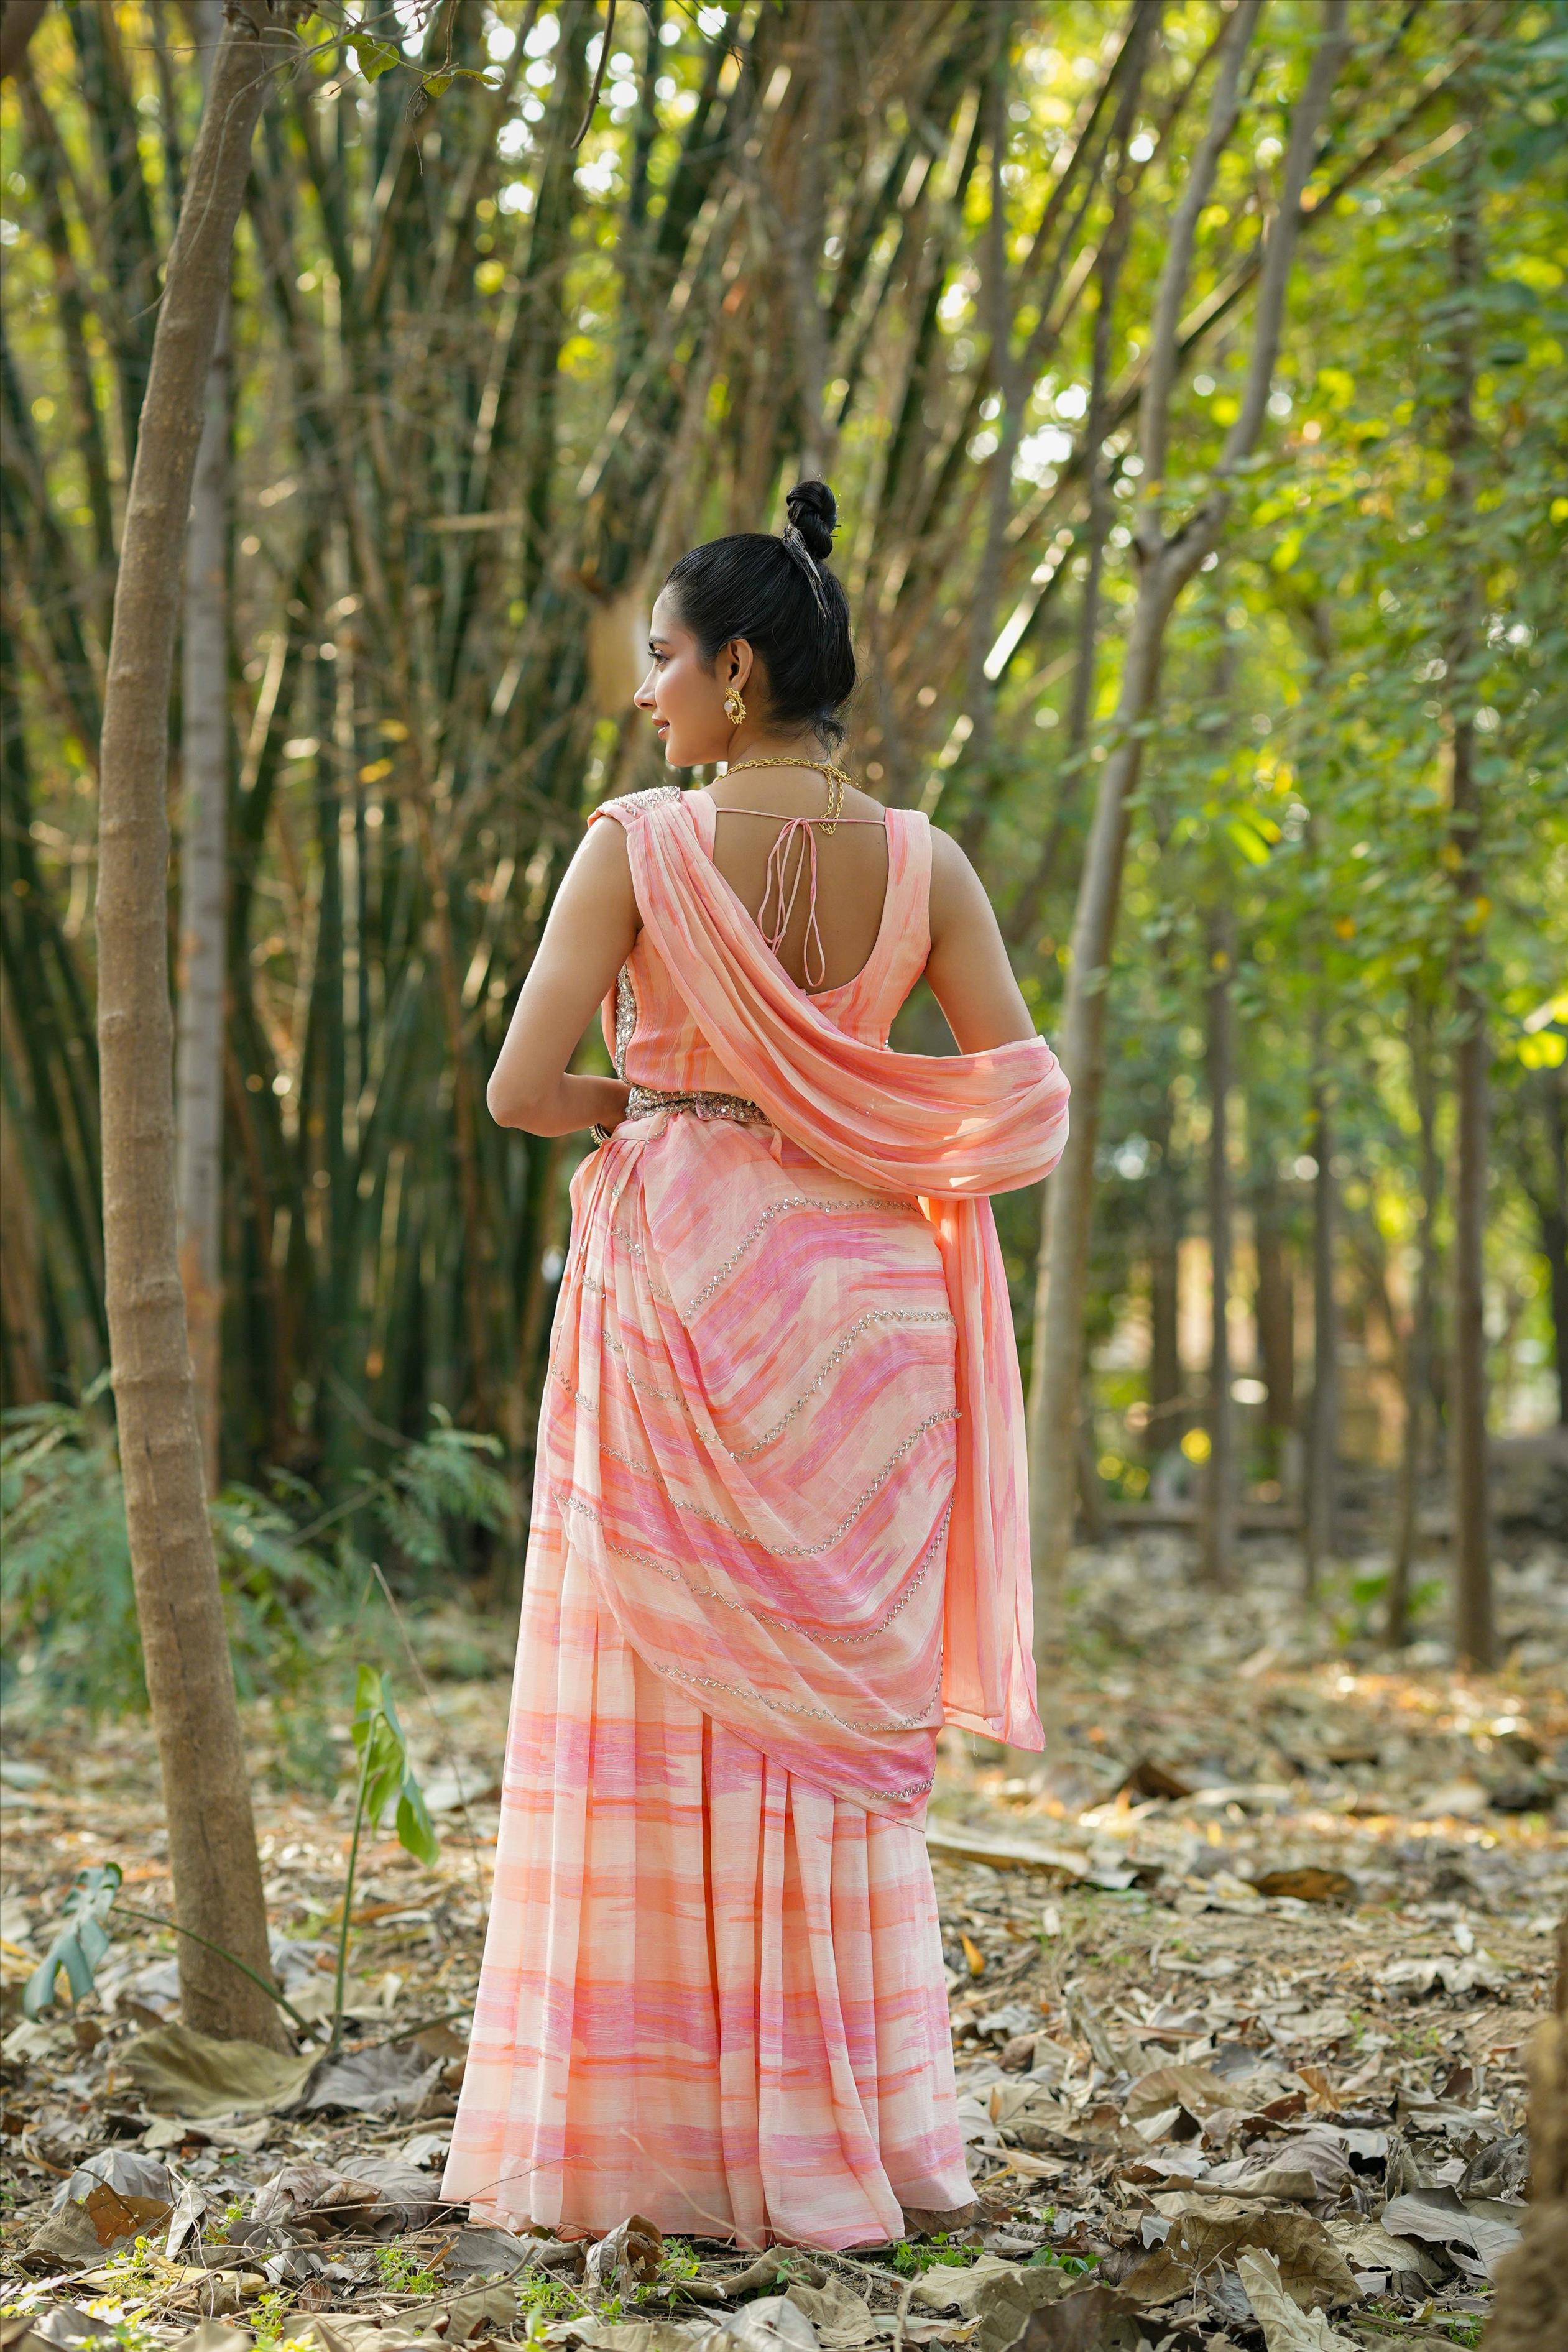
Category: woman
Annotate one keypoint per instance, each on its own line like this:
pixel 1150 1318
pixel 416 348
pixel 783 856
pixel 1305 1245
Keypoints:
pixel 779 1533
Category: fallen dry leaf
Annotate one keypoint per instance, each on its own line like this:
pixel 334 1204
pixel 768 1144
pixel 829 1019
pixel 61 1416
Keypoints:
pixel 1286 2327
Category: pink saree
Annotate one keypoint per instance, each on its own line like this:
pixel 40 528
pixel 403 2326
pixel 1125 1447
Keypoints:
pixel 779 1537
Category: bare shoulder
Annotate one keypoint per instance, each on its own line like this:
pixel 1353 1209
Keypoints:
pixel 958 897
pixel 602 854
pixel 597 886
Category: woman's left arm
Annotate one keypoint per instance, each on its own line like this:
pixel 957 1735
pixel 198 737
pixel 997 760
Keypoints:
pixel 592 928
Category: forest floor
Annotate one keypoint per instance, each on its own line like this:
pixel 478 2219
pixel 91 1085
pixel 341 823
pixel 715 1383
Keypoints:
pixel 1241 1973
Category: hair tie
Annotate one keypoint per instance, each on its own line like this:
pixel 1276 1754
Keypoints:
pixel 795 546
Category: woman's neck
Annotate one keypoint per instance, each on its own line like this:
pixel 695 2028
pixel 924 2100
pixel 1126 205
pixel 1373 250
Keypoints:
pixel 805 751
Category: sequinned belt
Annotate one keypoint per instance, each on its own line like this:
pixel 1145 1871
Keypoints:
pixel 643 1099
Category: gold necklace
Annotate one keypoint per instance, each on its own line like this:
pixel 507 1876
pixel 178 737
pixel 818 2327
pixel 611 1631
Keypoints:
pixel 836 778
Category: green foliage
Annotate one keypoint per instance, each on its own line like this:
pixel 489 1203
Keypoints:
pixel 134 2266
pixel 385 1775
pixel 1046 2258
pixel 402 2274
pixel 542 2297
pixel 912 2256
pixel 1355 1599
pixel 384 1779
pixel 68 1609
pixel 228 2219
pixel 267 2316
pixel 439 1483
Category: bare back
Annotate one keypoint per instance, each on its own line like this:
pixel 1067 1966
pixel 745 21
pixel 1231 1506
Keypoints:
pixel 851 873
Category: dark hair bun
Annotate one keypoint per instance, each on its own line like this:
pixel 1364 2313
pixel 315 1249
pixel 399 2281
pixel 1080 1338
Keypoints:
pixel 778 591
pixel 813 510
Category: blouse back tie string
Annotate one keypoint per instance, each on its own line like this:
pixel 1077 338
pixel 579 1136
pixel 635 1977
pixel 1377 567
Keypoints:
pixel 791 858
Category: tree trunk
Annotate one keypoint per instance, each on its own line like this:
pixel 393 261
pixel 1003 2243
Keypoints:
pixel 1322 1515
pixel 1168 559
pixel 1554 1228
pixel 203 875
pixel 1527 2316
pixel 190 1684
pixel 1218 1555
pixel 1090 1491
pixel 1474 1642
pixel 1164 1290
pixel 1274 1308
pixel 1418 1354
pixel 1062 1282
pixel 19 22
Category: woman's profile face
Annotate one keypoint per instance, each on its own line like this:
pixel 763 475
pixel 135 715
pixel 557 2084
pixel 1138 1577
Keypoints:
pixel 686 694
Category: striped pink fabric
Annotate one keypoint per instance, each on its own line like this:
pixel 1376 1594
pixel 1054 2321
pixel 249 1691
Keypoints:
pixel 713 1986
pixel 712 1993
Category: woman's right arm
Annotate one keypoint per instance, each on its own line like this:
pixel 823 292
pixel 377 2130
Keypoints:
pixel 592 928
pixel 968 970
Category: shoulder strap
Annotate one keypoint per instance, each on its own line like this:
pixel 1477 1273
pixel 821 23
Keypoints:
pixel 906 919
pixel 630 808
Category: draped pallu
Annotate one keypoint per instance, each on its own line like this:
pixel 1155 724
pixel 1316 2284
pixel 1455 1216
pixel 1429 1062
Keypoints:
pixel 838 1653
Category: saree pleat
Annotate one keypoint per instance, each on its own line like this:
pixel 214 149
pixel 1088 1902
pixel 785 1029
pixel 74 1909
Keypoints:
pixel 712 1994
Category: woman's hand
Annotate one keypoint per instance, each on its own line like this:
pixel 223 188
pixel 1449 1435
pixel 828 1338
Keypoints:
pixel 592 928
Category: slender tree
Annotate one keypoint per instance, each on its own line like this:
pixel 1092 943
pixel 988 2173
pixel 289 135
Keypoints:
pixel 204 870
pixel 1322 1514
pixel 190 1684
pixel 1273 1301
pixel 1475 1638
pixel 1419 1349
pixel 1219 1497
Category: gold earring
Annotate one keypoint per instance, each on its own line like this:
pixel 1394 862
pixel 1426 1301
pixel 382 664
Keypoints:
pixel 734 706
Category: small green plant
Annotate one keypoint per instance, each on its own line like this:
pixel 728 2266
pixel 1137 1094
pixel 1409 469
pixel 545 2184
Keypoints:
pixel 386 1777
pixel 267 2316
pixel 134 2266
pixel 81 1940
pixel 940 2251
pixel 543 2298
pixel 232 2215
pixel 402 2274
pixel 1046 2258
pixel 680 2263
pixel 131 2333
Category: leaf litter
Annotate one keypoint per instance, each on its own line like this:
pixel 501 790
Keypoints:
pixel 1242 1975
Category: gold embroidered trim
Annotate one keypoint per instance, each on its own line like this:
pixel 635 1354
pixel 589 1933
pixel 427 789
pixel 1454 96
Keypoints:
pixel 893 1315
pixel 626 1018
pixel 649 794
pixel 778 1209
pixel 787 1551
pixel 746 1608
pixel 790 1706
pixel 897 1315
pixel 700 1103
